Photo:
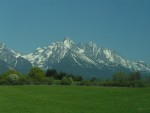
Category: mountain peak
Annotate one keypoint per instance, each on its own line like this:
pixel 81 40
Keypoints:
pixel 68 42
pixel 92 44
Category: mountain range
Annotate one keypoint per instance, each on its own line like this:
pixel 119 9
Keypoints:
pixel 86 59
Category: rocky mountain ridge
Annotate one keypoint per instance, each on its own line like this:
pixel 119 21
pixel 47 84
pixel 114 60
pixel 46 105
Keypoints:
pixel 85 59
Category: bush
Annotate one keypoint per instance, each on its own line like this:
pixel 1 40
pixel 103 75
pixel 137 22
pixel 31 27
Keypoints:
pixel 66 81
pixel 85 83
pixel 13 78
pixel 57 82
pixel 48 80
pixel 70 80
pixel 138 83
pixel 4 82
pixel 23 80
pixel 37 74
pixel 123 84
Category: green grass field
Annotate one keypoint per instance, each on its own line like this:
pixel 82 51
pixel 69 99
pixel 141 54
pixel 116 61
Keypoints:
pixel 73 99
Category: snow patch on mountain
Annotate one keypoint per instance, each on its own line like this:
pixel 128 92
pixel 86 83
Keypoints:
pixel 76 60
pixel 68 43
pixel 109 55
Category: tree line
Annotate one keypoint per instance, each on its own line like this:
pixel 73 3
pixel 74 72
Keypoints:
pixel 122 79
pixel 37 76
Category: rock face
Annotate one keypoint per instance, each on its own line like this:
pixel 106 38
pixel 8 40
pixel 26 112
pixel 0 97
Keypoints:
pixel 12 60
pixel 82 59
pixel 3 66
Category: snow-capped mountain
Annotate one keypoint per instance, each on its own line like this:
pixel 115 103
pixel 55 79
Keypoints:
pixel 11 59
pixel 85 59
pixel 52 54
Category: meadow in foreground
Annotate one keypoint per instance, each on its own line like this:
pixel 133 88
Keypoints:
pixel 73 99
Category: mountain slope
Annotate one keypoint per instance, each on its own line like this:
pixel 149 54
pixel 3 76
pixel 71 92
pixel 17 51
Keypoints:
pixel 11 59
pixel 3 66
pixel 84 59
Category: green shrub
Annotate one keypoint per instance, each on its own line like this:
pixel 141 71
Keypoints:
pixel 48 80
pixel 37 74
pixel 85 83
pixel 57 82
pixel 4 82
pixel 13 78
pixel 66 81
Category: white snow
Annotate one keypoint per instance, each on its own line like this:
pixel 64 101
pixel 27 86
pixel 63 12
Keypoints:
pixel 40 50
pixel 15 54
pixel 141 61
pixel 85 58
pixel 81 50
pixel 68 43
pixel 109 55
pixel 100 61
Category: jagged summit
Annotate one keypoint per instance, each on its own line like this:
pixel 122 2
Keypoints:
pixel 68 42
pixel 68 39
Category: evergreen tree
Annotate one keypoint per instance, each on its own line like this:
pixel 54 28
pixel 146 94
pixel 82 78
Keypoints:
pixel 52 73
pixel 61 75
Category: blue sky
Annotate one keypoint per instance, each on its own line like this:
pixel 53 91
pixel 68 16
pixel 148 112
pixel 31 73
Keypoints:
pixel 122 25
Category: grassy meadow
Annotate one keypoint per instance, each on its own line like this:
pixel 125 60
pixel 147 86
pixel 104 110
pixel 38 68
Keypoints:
pixel 73 99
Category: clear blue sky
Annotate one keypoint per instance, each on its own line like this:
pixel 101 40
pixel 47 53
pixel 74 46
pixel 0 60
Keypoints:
pixel 122 25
